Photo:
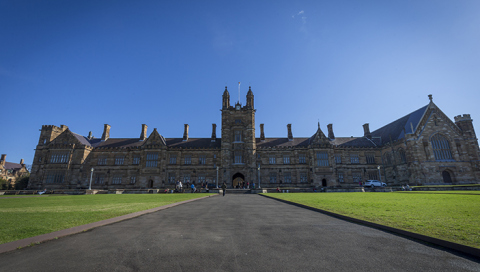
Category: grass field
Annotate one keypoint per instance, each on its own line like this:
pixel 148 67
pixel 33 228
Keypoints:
pixel 30 216
pixel 451 216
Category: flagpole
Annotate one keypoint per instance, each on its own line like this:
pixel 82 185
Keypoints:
pixel 238 92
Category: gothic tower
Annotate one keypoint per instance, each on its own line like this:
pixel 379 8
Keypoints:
pixel 238 141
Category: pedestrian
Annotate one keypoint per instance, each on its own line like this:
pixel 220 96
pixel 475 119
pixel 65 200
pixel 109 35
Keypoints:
pixel 180 186
pixel 224 188
pixel 193 188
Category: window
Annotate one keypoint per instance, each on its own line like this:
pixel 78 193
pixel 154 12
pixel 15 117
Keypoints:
pixel 188 159
pixel 322 159
pixel 340 177
pixel 133 179
pixel 354 159
pixel 373 175
pixel 238 157
pixel 271 159
pixel 119 160
pixel 370 157
pixel 59 157
pixel 173 159
pixel 102 160
pixel 202 160
pixel 402 156
pixel 136 160
pixel 55 177
pixel 171 178
pixel 338 158
pixel 287 176
pixel 152 159
pixel 238 136
pixel 186 178
pixel 117 180
pixel 286 159
pixel 357 177
pixel 99 178
pixel 441 148
pixel 201 179
pixel 273 177
pixel 387 158
pixel 301 159
pixel 303 177
pixel 214 156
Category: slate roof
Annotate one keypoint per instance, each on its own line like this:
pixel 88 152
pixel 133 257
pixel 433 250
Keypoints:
pixel 395 130
pixel 193 143
pixel 117 143
pixel 282 142
pixel 356 142
pixel 12 166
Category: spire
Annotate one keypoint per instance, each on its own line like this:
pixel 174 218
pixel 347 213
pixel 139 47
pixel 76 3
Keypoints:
pixel 250 98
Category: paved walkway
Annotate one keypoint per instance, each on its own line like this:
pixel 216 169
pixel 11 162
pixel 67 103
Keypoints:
pixel 234 233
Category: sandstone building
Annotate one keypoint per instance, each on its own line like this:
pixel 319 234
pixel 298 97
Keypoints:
pixel 11 171
pixel 423 147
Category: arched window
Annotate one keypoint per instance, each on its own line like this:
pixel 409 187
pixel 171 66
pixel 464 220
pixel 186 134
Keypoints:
pixel 402 156
pixel 387 158
pixel 441 147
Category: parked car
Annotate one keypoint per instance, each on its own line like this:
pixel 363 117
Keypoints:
pixel 374 183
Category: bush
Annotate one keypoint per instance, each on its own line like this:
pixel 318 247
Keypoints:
pixel 22 183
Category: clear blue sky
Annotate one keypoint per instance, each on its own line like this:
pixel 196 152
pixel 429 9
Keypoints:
pixel 166 63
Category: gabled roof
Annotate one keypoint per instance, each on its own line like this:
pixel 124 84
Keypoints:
pixel 395 130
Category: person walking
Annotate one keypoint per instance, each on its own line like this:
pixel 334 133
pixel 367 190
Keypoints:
pixel 224 188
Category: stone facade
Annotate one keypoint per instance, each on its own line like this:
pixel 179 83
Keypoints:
pixel 423 147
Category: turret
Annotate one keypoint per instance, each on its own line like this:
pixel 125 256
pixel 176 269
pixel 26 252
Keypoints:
pixel 225 99
pixel 250 98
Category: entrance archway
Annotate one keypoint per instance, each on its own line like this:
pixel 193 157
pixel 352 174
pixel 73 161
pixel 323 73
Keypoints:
pixel 150 184
pixel 447 177
pixel 237 180
pixel 324 182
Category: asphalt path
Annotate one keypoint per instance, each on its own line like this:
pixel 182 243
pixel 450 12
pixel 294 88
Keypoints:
pixel 234 233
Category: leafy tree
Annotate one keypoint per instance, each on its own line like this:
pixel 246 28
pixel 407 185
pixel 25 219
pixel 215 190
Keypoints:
pixel 22 183
pixel 3 184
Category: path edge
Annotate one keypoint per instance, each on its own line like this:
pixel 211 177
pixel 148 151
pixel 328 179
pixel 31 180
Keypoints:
pixel 471 251
pixel 10 246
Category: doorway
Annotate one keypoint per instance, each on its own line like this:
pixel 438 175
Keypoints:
pixel 324 182
pixel 447 178
pixel 150 184
pixel 238 180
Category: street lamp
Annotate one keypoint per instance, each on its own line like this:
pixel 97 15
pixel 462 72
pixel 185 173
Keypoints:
pixel 259 186
pixel 217 176
pixel 91 175
pixel 379 174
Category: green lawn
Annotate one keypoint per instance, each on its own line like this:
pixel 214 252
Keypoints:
pixel 30 216
pixel 451 216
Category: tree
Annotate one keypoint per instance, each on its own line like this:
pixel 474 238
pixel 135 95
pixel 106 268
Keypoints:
pixel 3 184
pixel 22 183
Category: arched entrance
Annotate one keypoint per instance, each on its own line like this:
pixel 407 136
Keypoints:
pixel 447 177
pixel 237 180
pixel 150 184
pixel 324 182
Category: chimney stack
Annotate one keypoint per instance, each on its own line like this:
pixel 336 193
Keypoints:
pixel 4 157
pixel 331 136
pixel 185 133
pixel 21 161
pixel 90 136
pixel 290 135
pixel 143 135
pixel 262 134
pixel 214 132
pixel 366 130
pixel 106 132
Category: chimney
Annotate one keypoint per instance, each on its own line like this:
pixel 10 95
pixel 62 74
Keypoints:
pixel 330 132
pixel 106 132
pixel 143 135
pixel 290 135
pixel 214 132
pixel 4 157
pixel 366 130
pixel 185 133
pixel 262 134
pixel 21 161
pixel 90 136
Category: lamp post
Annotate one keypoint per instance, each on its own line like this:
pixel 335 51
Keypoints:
pixel 379 174
pixel 217 176
pixel 259 186
pixel 91 175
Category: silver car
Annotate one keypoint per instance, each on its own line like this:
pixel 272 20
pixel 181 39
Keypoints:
pixel 374 183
